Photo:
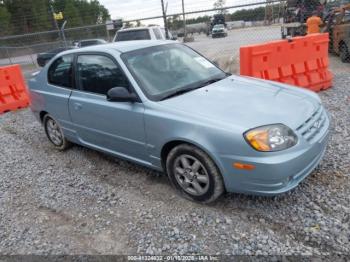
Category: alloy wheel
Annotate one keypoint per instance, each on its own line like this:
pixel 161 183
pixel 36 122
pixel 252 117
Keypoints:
pixel 54 132
pixel 191 175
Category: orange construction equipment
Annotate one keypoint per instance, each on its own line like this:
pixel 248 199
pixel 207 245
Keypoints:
pixel 313 24
pixel 13 91
pixel 301 61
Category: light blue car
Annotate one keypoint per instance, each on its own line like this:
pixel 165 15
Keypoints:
pixel 162 105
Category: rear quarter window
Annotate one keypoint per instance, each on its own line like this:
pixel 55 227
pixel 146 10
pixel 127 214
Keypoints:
pixel 60 72
pixel 133 35
pixel 157 33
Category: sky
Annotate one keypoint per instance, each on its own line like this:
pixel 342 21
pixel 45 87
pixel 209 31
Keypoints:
pixel 135 9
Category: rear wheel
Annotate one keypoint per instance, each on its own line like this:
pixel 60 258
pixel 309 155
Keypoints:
pixel 54 133
pixel 344 53
pixel 194 174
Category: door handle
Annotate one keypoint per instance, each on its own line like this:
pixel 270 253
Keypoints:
pixel 78 106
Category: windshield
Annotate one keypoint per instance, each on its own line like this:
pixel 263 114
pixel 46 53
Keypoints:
pixel 219 26
pixel 133 35
pixel 164 70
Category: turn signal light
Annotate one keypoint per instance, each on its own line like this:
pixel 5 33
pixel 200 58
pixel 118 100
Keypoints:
pixel 243 166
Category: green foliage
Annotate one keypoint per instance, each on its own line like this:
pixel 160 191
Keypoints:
pixel 220 4
pixel 71 14
pixel 5 20
pixel 27 16
pixel 253 14
pixel 256 14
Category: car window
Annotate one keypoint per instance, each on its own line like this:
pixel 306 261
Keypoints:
pixel 98 74
pixel 133 35
pixel 92 42
pixel 58 50
pixel 167 68
pixel 60 72
pixel 170 36
pixel 157 33
pixel 219 26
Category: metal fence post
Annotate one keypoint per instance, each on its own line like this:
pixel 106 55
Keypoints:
pixel 184 18
pixel 63 35
pixel 8 55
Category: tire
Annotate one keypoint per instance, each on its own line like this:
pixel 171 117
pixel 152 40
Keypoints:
pixel 41 62
pixel 283 35
pixel 344 53
pixel 54 133
pixel 194 174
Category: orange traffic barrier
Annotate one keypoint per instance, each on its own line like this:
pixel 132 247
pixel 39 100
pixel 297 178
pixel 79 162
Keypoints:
pixel 13 91
pixel 302 61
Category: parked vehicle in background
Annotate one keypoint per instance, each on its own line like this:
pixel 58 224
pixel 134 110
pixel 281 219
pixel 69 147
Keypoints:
pixel 163 105
pixel 219 31
pixel 142 33
pixel 340 36
pixel 45 57
pixel 91 42
pixel 217 19
pixel 295 14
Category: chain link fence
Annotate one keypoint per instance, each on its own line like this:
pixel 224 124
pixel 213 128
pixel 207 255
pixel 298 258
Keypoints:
pixel 267 23
pixel 23 49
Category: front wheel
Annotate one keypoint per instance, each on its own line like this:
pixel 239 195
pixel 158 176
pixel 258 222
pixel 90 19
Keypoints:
pixel 194 174
pixel 54 133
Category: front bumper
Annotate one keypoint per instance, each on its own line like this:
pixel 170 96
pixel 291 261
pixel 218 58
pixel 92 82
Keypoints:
pixel 276 173
pixel 218 34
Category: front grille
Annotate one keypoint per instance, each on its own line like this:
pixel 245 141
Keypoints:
pixel 312 126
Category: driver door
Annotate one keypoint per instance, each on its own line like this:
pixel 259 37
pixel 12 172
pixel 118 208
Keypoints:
pixel 115 127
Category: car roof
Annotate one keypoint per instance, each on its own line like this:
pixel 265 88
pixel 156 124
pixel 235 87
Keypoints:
pixel 122 47
pixel 138 28
pixel 95 39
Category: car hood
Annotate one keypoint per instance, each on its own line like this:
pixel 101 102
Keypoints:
pixel 247 103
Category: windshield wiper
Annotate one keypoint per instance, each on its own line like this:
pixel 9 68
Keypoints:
pixel 185 90
pixel 176 93
pixel 209 82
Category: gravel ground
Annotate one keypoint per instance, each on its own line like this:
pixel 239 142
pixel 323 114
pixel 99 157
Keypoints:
pixel 84 202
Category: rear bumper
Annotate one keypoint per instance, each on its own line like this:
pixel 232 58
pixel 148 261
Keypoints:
pixel 275 174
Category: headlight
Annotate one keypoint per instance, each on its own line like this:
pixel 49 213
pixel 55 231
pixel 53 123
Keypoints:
pixel 271 138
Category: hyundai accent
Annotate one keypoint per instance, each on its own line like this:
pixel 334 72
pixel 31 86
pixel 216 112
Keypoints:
pixel 163 105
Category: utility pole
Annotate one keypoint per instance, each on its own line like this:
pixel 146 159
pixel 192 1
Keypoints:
pixel 184 18
pixel 165 22
pixel 269 15
pixel 54 19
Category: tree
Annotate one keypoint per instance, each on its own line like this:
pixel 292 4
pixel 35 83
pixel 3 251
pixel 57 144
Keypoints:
pixel 71 14
pixel 41 21
pixel 21 15
pixel 5 20
pixel 92 12
pixel 256 14
pixel 220 4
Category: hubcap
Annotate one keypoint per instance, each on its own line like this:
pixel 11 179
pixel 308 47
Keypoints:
pixel 191 175
pixel 54 132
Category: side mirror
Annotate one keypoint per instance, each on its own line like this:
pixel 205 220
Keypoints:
pixel 121 94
